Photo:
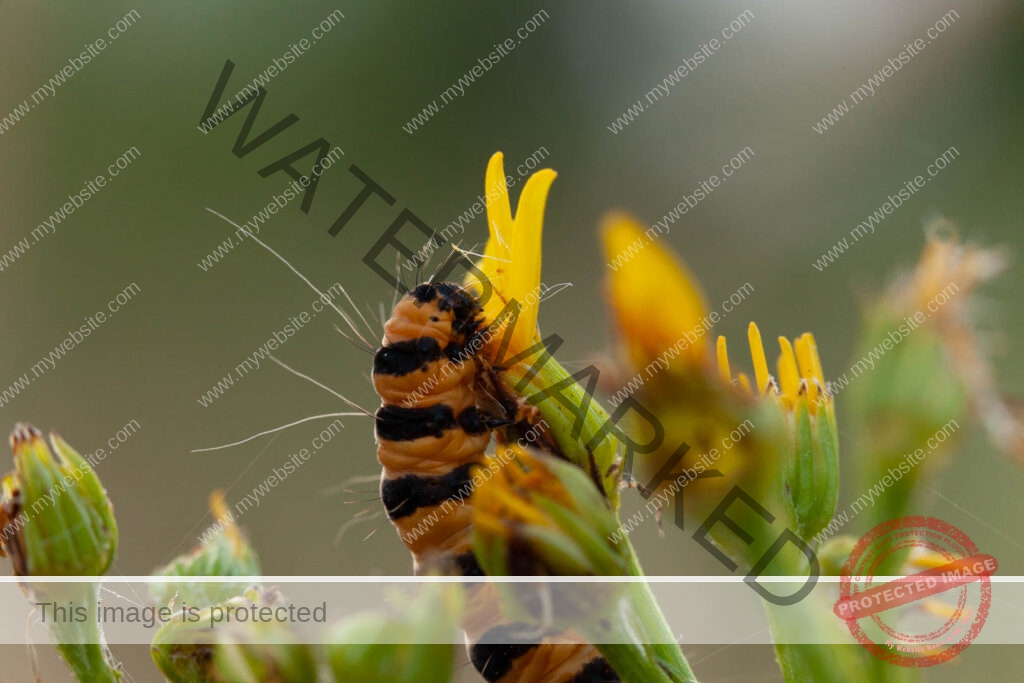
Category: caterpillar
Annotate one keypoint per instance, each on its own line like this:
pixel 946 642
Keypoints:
pixel 440 406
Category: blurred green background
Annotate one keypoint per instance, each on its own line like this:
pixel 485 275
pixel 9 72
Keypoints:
pixel 559 89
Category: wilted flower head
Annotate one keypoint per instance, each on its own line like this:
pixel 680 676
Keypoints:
pixel 929 370
pixel 539 516
pixel 943 286
pixel 55 517
pixel 944 260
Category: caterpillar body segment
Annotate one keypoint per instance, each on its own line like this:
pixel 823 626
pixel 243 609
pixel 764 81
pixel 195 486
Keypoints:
pixel 441 403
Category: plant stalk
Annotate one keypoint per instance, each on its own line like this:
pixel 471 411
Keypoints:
pixel 79 642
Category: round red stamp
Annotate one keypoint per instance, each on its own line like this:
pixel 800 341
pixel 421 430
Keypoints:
pixel 886 615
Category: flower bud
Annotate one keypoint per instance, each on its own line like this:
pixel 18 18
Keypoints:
pixel 833 553
pixel 183 652
pixel 56 520
pixel 267 652
pixel 55 517
pixel 415 646
pixel 201 648
pixel 224 551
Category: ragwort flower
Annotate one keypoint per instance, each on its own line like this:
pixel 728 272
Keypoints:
pixel 511 260
pixel 811 468
pixel 508 279
pixel 786 456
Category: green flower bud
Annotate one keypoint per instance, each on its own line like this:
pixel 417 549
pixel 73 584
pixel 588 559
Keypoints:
pixel 184 651
pixel 56 520
pixel 833 553
pixel 224 552
pixel 55 516
pixel 415 646
pixel 271 654
pixel 189 650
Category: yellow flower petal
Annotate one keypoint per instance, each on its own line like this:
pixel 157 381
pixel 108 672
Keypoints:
pixel 655 297
pixel 513 507
pixel 511 259
pixel 499 210
pixel 723 360
pixel 806 365
pixel 757 356
pixel 789 378
pixel 497 256
pixel 812 346
pixel 524 276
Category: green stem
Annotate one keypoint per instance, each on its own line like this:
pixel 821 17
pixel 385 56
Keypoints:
pixel 80 643
pixel 630 663
pixel 795 627
pixel 562 423
pixel 624 643
pixel 88 662
pixel 656 653
pixel 659 636
pixel 801 662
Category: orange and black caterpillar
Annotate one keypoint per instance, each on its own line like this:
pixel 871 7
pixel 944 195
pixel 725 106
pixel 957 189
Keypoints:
pixel 428 444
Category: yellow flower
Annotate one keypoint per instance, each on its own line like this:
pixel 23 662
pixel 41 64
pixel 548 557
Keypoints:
pixel 660 310
pixel 508 271
pixel 798 370
pixel 512 257
pixel 811 470
pixel 659 305
pixel 654 295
